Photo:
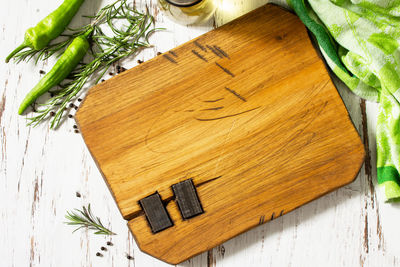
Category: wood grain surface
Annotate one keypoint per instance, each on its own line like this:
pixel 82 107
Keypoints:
pixel 247 111
pixel 41 171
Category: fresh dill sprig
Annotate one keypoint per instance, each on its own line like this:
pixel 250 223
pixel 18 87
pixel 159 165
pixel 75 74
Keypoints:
pixel 85 219
pixel 124 41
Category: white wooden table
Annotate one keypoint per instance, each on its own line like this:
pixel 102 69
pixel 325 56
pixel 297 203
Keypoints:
pixel 41 171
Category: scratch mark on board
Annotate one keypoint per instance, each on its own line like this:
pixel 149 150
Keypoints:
pixel 215 51
pixel 208 181
pixel 227 116
pixel 225 69
pixel 236 94
pixel 262 219
pixel 281 213
pixel 222 52
pixel 199 55
pixel 212 101
pixel 173 53
pixel 200 46
pixel 216 108
pixel 170 59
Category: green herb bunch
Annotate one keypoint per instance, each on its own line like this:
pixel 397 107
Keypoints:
pixel 105 50
pixel 85 219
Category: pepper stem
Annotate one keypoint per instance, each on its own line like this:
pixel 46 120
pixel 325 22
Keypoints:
pixel 16 50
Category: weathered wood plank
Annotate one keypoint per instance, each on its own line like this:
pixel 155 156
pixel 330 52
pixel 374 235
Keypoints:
pixel 327 232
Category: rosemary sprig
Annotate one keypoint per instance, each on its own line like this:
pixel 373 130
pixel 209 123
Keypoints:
pixel 125 41
pixel 85 219
pixel 53 48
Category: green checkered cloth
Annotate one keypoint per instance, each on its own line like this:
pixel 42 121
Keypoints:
pixel 360 42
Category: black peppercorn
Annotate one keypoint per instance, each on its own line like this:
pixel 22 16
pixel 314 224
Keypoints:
pixel 76 131
pixel 78 194
pixel 79 99
pixel 71 105
pixel 129 257
pixel 103 248
pixel 109 243
pixel 52 113
pixel 75 127
pixel 159 53
pixel 70 116
pixel 139 61
pixel 98 254
pixel 42 72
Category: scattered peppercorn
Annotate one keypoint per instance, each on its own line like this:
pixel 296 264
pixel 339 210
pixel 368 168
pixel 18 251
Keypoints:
pixel 76 107
pixel 79 99
pixel 159 53
pixel 123 69
pixel 78 194
pixel 42 72
pixel 70 116
pixel 102 80
pixel 129 257
pixel 139 61
pixel 109 243
pixel 111 74
pixel 71 105
pixel 98 254
pixel 51 94
pixel 75 127
pixel 52 113
pixel 103 248
pixel 76 131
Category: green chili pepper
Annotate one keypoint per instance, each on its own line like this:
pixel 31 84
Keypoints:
pixel 49 28
pixel 63 67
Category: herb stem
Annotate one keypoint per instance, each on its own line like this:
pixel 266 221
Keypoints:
pixel 85 219
pixel 105 50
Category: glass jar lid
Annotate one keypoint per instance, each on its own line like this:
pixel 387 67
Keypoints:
pixel 183 3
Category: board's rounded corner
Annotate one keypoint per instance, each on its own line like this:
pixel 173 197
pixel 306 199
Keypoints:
pixel 151 252
pixel 361 156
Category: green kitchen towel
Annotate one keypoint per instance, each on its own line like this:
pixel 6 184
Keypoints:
pixel 360 42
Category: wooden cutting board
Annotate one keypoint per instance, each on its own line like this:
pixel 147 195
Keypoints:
pixel 221 134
